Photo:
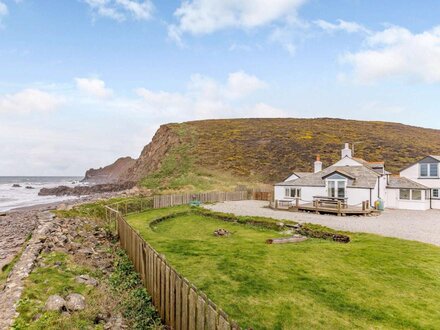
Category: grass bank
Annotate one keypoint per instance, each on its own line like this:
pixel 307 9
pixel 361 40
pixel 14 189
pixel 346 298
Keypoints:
pixel 371 282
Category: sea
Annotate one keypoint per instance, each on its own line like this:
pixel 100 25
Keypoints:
pixel 25 191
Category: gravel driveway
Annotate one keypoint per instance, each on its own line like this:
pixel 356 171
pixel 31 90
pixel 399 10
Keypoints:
pixel 423 226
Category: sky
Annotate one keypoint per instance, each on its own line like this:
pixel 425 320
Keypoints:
pixel 83 82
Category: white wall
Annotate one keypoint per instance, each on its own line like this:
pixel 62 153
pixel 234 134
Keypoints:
pixel 412 173
pixel 347 161
pixel 436 204
pixel 307 193
pixel 356 196
pixel 393 201
pixel 292 177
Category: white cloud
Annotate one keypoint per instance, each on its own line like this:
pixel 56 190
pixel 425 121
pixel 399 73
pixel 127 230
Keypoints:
pixel 3 9
pixel 349 27
pixel 241 84
pixel 94 87
pixel 207 16
pixel 120 10
pixel 29 100
pixel 207 98
pixel 283 37
pixel 398 53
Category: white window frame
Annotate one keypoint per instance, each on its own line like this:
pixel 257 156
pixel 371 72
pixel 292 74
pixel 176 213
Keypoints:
pixel 411 195
pixel 288 193
pixel 435 193
pixel 336 182
pixel 429 169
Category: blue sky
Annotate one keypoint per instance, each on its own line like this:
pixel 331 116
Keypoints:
pixel 84 82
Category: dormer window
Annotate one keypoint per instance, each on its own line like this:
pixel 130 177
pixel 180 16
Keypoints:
pixel 429 170
pixel 336 185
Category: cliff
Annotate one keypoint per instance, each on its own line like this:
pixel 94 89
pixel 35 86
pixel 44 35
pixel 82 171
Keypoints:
pixel 110 173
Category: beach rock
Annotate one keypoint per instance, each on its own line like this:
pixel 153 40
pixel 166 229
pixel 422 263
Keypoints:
pixel 55 303
pixel 29 187
pixel 16 185
pixel 75 302
pixel 86 190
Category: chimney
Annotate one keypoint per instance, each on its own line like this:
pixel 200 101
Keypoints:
pixel 346 152
pixel 318 164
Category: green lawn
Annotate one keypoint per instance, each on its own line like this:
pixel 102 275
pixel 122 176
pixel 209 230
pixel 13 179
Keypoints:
pixel 372 282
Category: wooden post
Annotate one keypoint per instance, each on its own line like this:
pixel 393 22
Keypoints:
pixel 297 203
pixel 339 208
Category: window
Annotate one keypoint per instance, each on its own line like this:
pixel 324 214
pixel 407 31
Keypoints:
pixel 435 193
pixel 341 188
pixel 423 170
pixel 428 170
pixel 292 192
pixel 410 194
pixel 433 170
pixel 336 188
pixel 404 194
pixel 416 195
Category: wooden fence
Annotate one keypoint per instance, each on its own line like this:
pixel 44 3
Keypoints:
pixel 160 201
pixel 262 195
pixel 180 304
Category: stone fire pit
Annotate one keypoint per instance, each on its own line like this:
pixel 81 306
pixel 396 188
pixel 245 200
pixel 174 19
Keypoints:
pixel 221 232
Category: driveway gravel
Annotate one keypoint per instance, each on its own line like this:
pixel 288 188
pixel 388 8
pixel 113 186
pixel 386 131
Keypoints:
pixel 422 226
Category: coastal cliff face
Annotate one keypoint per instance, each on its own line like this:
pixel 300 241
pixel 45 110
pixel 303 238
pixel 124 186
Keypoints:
pixel 110 173
pixel 219 154
pixel 153 153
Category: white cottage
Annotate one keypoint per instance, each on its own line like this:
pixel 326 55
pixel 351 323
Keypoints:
pixel 356 180
pixel 425 172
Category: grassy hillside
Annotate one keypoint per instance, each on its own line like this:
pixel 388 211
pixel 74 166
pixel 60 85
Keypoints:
pixel 211 152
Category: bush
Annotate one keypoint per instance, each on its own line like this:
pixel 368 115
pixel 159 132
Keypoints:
pixel 137 306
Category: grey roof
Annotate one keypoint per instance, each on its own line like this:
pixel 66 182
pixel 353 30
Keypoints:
pixel 302 174
pixel 398 182
pixel 363 177
pixel 429 156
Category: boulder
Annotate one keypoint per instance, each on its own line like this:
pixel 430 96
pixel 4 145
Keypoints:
pixel 16 185
pixel 55 303
pixel 75 302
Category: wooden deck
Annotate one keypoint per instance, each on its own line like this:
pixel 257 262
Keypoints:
pixel 325 208
pixel 332 209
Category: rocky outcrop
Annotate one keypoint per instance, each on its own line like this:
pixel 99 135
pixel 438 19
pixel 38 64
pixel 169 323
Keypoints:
pixel 110 173
pixel 14 287
pixel 15 228
pixel 86 190
pixel 152 155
